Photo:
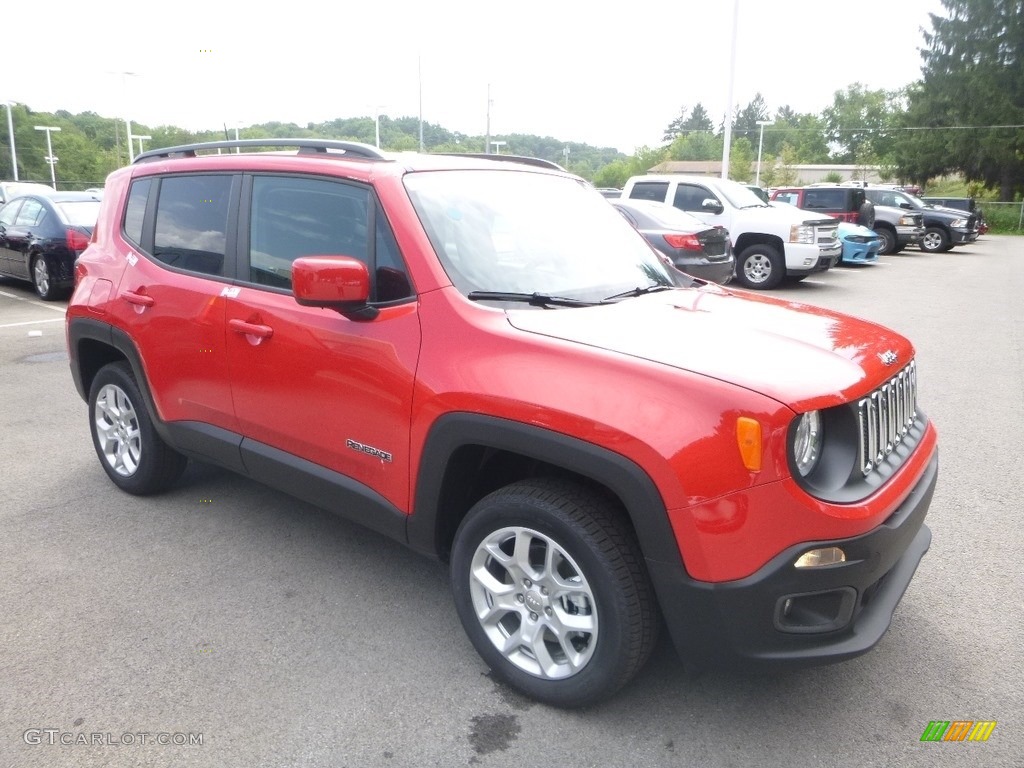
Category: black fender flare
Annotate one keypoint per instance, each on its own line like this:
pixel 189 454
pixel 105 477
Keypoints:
pixel 626 479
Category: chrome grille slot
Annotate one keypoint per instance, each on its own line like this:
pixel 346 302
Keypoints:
pixel 885 417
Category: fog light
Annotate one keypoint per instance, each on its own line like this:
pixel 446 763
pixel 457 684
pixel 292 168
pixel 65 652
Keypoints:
pixel 817 558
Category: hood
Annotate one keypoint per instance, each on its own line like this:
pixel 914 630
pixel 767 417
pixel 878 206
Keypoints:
pixel 803 356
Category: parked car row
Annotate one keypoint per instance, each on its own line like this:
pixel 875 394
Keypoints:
pixel 781 240
pixel 41 235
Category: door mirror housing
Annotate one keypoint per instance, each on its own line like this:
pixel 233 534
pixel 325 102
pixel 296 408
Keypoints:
pixel 712 205
pixel 340 283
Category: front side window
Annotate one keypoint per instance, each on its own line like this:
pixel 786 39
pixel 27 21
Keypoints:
pixel 293 217
pixel 9 213
pixel 691 197
pixel 191 222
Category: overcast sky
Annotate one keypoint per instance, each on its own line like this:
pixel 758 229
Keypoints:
pixel 608 74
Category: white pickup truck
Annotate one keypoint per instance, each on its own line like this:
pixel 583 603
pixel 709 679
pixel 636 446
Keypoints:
pixel 772 243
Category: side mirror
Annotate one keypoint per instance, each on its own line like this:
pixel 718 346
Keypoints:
pixel 710 204
pixel 340 283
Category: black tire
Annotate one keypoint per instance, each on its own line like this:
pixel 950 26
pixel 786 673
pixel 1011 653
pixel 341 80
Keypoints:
pixel 866 214
pixel 42 279
pixel 760 267
pixel 130 451
pixel 935 240
pixel 888 238
pixel 601 584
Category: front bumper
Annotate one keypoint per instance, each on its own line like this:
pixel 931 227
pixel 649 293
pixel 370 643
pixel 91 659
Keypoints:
pixel 963 235
pixel 834 613
pixel 909 235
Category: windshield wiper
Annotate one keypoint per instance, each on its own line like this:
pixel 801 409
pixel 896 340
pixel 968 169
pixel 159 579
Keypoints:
pixel 533 299
pixel 638 291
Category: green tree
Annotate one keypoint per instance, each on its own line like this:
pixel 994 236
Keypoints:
pixel 973 80
pixel 859 123
pixel 696 146
pixel 741 160
pixel 683 125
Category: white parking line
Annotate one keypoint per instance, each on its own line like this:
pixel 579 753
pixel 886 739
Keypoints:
pixel 14 296
pixel 33 322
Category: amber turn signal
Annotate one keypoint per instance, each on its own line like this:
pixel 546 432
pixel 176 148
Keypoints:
pixel 748 438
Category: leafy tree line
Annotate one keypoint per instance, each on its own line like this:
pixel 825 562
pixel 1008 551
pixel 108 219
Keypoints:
pixel 965 116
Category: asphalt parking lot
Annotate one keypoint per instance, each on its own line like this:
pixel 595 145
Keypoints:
pixel 277 635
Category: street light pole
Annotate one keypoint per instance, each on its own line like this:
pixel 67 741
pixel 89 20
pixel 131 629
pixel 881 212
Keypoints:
pixel 10 133
pixel 497 146
pixel 49 152
pixel 760 144
pixel 141 139
pixel 727 144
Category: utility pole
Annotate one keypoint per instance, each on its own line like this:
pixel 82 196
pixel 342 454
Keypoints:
pixel 49 152
pixel 487 141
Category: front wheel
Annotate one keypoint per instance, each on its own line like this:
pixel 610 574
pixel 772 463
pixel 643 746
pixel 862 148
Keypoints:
pixel 935 240
pixel 550 586
pixel 130 451
pixel 888 241
pixel 760 267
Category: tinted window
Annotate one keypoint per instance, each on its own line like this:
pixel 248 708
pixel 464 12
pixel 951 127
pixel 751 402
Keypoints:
pixel 650 190
pixel 391 277
pixel 191 222
pixel 690 197
pixel 136 210
pixel 31 215
pixel 293 217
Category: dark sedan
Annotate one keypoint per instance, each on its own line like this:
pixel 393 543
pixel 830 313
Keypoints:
pixel 42 235
pixel 691 245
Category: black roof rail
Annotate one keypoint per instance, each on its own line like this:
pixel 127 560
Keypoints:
pixel 524 159
pixel 310 146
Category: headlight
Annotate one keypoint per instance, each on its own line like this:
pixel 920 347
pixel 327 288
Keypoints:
pixel 801 233
pixel 957 223
pixel 907 221
pixel 807 443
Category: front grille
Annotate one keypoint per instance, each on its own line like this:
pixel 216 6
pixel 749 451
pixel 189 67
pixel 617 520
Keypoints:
pixel 827 234
pixel 885 416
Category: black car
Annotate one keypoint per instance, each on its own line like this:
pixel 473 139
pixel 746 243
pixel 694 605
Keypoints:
pixel 692 246
pixel 943 227
pixel 42 235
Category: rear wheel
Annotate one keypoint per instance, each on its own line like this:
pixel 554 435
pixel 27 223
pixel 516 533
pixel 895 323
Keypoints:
pixel 130 451
pixel 41 279
pixel 760 267
pixel 550 586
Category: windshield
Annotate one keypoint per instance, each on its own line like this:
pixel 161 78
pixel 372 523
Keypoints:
pixel 739 195
pixel 523 232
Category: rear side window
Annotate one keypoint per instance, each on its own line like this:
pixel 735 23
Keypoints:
pixel 32 214
pixel 191 222
pixel 10 213
pixel 135 210
pixel 649 190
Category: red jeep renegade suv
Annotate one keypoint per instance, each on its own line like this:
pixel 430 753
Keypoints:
pixel 482 359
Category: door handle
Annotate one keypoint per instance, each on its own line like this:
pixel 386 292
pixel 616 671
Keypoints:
pixel 254 332
pixel 138 300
